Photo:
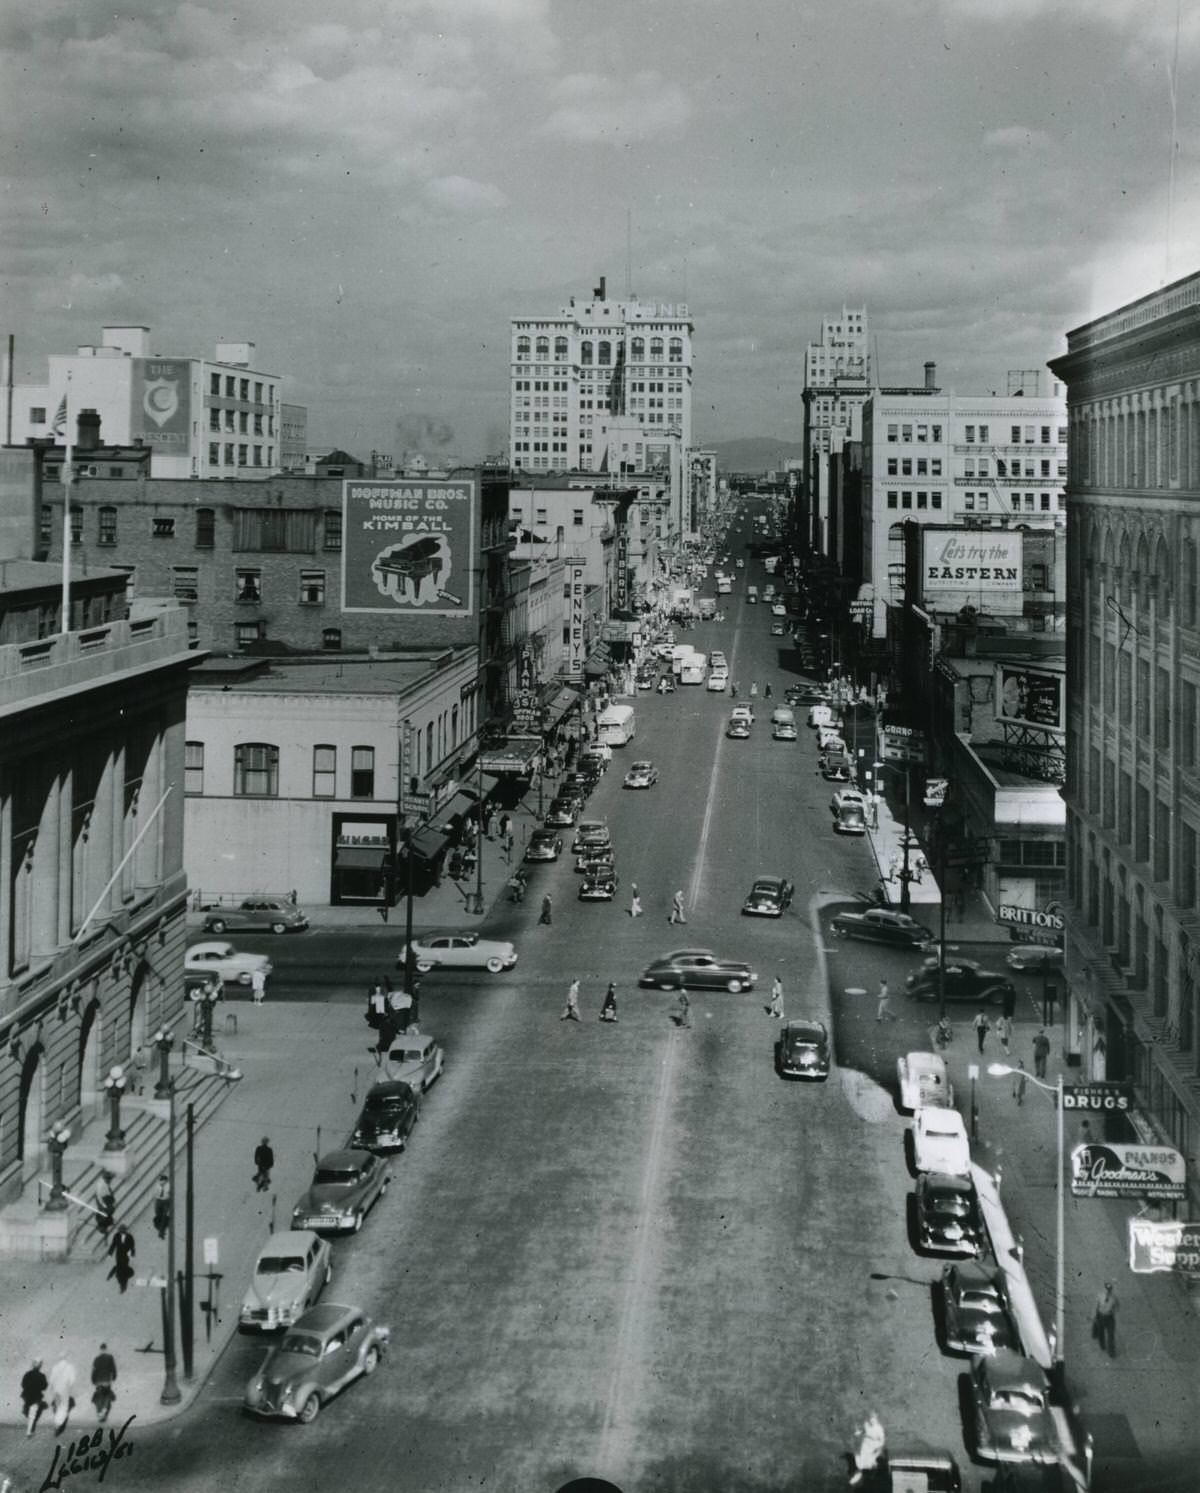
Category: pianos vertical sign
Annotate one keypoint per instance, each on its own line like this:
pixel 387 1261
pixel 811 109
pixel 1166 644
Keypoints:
pixel 409 546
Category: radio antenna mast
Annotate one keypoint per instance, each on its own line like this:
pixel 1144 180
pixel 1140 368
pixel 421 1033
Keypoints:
pixel 628 254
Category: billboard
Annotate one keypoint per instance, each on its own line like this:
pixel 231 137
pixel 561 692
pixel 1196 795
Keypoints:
pixel 1107 1169
pixel 1163 1246
pixel 160 395
pixel 1030 697
pixel 972 567
pixel 408 547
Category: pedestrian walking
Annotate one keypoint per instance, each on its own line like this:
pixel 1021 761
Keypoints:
pixel 1104 1323
pixel 264 1160
pixel 141 1062
pixel 104 1376
pixel 982 1027
pixel 767 691
pixel 487 821
pixel 1041 1051
pixel 753 690
pixel 33 1395
pixel 506 839
pixel 547 909
pixel 162 1206
pixel 871 1450
pixel 504 824
pixel 63 1376
pixel 258 984
pixel 677 914
pixel 1020 1077
pixel 571 1009
pixel 733 689
pixel 1004 1031
pixel 682 1014
pixel 883 1011
pixel 106 1203
pixel 776 1006
pixel 608 1011
pixel 1009 1006
pixel 635 902
pixel 122 1248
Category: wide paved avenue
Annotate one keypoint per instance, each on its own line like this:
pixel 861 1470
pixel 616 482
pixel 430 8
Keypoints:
pixel 625 1250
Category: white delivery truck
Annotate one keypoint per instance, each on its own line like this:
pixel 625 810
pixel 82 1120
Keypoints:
pixel 693 668
pixel 616 726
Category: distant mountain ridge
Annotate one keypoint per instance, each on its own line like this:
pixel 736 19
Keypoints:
pixel 761 453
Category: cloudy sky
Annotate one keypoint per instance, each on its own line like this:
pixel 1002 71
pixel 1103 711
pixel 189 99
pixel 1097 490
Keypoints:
pixel 369 190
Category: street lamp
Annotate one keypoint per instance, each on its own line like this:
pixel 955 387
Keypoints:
pixel 998 1070
pixel 164 1040
pixel 57 1142
pixel 907 876
pixel 207 997
pixel 114 1086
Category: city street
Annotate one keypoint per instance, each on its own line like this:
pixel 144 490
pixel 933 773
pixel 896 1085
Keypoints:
pixel 625 1250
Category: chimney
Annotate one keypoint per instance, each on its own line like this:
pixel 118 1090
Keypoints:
pixel 88 431
pixel 931 376
pixel 598 293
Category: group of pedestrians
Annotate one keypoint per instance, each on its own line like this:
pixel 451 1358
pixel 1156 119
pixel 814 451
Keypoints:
pixel 608 1011
pixel 56 1391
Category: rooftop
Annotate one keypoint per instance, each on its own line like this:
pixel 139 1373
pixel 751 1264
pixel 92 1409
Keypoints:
pixel 342 674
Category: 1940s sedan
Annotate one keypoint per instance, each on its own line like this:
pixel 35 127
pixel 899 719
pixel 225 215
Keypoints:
pixel 327 1349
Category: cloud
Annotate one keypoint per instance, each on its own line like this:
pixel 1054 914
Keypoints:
pixel 1012 136
pixel 593 108
pixel 461 194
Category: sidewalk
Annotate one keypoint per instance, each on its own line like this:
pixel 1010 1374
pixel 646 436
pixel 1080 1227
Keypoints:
pixel 305 1104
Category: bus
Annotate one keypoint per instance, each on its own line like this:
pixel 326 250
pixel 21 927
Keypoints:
pixel 616 726
pixel 693 669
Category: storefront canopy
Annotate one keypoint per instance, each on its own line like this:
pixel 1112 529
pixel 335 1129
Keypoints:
pixel 561 706
pixel 515 756
pixel 428 843
pixel 360 857
pixel 463 802
pixel 598 660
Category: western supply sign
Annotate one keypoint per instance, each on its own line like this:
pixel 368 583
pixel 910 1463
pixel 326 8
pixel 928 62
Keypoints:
pixel 972 567
pixel 409 547
pixel 161 403
pixel 1163 1246
pixel 1030 697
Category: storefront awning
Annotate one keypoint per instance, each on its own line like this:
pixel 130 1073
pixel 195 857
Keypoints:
pixel 360 857
pixel 490 781
pixel 561 706
pixel 598 660
pixel 428 843
pixel 463 802
pixel 513 757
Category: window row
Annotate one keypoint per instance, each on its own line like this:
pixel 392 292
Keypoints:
pixel 901 432
pixel 239 388
pixel 256 770
pixel 266 529
pixel 601 351
pixel 229 455
pixel 904 499
pixel 1157 447
pixel 925 466
pixel 240 421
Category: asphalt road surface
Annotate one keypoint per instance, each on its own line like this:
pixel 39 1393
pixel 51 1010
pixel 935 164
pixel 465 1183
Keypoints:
pixel 629 1251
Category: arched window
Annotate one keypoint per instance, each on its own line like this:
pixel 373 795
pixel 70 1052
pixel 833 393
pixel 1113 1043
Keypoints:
pixel 585 354
pixel 1162 579
pixel 1124 570
pixel 1141 572
pixel 255 770
pixel 637 349
pixel 1187 567
pixel 676 350
pixel 543 349
pixel 604 354
pixel 560 349
pixel 656 349
pixel 523 348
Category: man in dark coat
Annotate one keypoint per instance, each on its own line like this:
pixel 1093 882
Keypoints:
pixel 264 1160
pixel 33 1395
pixel 104 1376
pixel 123 1249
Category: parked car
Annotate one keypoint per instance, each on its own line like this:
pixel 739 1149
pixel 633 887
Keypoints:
pixel 819 714
pixel 1034 958
pixel 233 966
pixel 805 694
pixel 458 950
pixel 273 914
pixel 835 769
pixel 345 1187
pixel 850 818
pixel 783 731
pixel 562 813
pixel 415 1058
pixel 578 783
pixel 882 925
pixel 843 796
pixel 738 730
pixel 598 885
pixel 544 845
pixel 646 681
pixel 947 1215
pixel 939 1142
pixel 923 1080
pixel 718 681
pixel 594 858
pixel 965 980
pixel 328 1348
pixel 641 775
pixel 802 1050
pixel 1010 1396
pixel 829 738
pixel 292 1269
pixel 975 1311
pixel 742 712
pixel 769 897
pixel 698 969
pixel 387 1117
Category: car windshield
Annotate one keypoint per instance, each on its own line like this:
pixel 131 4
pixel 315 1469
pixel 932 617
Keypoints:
pixel 1020 1399
pixel 935 1134
pixel 980 1301
pixel 378 1109
pixel 765 889
pixel 280 1264
pixel 329 1176
pixel 301 1342
pixel 954 1203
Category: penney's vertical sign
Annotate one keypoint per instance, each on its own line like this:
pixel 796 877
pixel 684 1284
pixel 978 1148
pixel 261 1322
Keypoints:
pixel 576 617
pixel 409 546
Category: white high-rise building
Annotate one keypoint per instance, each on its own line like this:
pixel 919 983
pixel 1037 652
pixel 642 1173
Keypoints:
pixel 837 379
pixel 594 363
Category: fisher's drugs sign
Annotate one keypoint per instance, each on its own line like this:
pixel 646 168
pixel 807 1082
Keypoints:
pixel 409 547
pixel 969 566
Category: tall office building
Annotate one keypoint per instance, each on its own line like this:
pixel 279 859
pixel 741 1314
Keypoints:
pixel 596 362
pixel 1133 708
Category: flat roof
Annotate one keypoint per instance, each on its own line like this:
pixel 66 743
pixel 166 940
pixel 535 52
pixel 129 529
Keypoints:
pixel 338 675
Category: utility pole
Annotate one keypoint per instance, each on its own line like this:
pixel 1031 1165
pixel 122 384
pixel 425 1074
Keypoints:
pixel 171 1394
pixel 905 873
pixel 188 1323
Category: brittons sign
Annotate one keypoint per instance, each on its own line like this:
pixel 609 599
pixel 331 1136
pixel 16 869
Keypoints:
pixel 1163 1246
pixel 1044 926
pixel 1105 1169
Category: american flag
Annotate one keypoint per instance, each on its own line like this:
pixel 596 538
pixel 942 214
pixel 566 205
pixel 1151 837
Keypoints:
pixel 60 419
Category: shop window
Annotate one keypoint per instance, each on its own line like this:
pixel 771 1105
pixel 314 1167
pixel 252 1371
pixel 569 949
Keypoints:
pixel 255 770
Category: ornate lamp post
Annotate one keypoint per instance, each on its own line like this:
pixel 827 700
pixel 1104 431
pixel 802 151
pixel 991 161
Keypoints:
pixel 164 1041
pixel 207 998
pixel 57 1142
pixel 114 1086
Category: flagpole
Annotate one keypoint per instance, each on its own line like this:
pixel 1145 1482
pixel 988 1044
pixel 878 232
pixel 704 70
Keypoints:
pixel 68 479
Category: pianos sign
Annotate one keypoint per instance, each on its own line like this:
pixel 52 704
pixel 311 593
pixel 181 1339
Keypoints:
pixel 409 547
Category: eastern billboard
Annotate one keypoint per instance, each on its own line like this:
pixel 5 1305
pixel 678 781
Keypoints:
pixel 409 546
pixel 160 412
pixel 1030 697
pixel 972 567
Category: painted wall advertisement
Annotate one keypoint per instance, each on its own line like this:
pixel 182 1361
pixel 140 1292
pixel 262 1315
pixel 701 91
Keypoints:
pixel 409 546
pixel 1030 697
pixel 979 568
pixel 576 618
pixel 161 403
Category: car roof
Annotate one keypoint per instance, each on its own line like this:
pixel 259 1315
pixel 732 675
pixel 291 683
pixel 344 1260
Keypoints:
pixel 806 1026
pixel 347 1157
pixel 927 1062
pixel 396 1090
pixel 1006 1366
pixel 770 880
pixel 947 1182
pixel 974 1273
pixel 943 1120
pixel 287 1239
pixel 326 1316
